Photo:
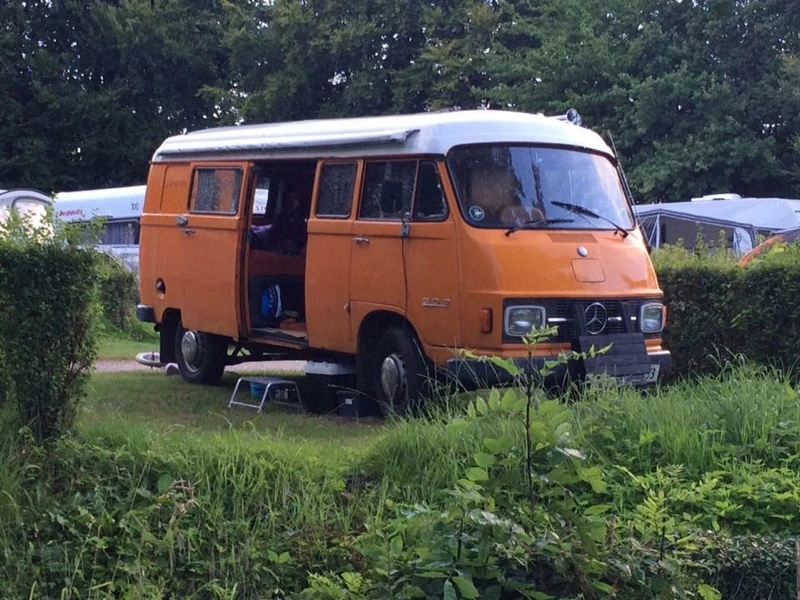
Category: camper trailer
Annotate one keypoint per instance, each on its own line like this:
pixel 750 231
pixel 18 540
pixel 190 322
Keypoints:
pixel 741 222
pixel 30 204
pixel 120 208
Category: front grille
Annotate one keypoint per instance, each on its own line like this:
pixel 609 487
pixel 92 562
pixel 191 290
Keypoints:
pixel 570 316
pixel 572 237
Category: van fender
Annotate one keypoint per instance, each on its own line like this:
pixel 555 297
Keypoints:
pixel 370 332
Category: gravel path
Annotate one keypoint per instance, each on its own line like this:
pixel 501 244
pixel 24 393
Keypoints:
pixel 277 366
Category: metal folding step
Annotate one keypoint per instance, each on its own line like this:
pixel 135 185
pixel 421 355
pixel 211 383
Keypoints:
pixel 283 392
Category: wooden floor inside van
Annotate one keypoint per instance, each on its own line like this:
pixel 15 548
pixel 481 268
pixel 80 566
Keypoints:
pixel 294 333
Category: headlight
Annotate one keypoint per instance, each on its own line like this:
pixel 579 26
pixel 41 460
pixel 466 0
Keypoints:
pixel 652 317
pixel 520 320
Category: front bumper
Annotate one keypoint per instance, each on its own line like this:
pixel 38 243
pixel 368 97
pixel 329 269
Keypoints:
pixel 627 361
pixel 145 314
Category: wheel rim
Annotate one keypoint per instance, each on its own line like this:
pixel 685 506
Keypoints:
pixel 191 350
pixel 393 377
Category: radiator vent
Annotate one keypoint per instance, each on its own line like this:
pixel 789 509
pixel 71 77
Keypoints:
pixel 567 237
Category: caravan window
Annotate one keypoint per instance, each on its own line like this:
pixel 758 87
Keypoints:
pixel 33 210
pixel 121 233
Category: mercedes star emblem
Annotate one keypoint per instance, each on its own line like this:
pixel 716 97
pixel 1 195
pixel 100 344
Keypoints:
pixel 596 318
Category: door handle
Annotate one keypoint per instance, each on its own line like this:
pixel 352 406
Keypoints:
pixel 361 240
pixel 187 231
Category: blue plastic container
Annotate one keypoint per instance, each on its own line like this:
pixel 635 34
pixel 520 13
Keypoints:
pixel 257 389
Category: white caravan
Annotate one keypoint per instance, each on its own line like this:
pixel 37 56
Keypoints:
pixel 121 209
pixel 30 204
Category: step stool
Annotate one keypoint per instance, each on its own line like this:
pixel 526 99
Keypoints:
pixel 281 390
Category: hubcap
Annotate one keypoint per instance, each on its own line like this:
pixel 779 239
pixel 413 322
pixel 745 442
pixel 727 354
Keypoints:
pixel 392 375
pixel 190 347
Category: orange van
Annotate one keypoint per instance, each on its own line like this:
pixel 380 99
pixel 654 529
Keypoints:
pixel 384 244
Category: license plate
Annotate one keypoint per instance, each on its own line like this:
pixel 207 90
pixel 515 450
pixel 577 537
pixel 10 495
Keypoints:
pixel 650 376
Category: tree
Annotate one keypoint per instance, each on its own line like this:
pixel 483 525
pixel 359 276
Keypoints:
pixel 97 86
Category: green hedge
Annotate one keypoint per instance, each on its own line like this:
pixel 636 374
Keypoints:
pixel 47 326
pixel 118 293
pixel 753 567
pixel 717 309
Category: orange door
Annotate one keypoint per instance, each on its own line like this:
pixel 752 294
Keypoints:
pixel 404 251
pixel 328 254
pixel 205 243
pixel 377 273
pixel 431 260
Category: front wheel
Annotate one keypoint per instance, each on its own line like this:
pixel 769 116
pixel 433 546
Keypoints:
pixel 399 372
pixel 201 356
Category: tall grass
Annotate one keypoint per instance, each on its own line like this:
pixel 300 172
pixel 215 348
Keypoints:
pixel 138 509
pixel 746 413
pixel 153 513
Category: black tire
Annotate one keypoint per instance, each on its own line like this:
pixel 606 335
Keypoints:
pixel 206 364
pixel 399 349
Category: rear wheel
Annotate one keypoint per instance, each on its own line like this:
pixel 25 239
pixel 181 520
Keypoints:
pixel 201 356
pixel 399 372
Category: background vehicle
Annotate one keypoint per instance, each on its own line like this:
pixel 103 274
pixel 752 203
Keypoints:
pixel 121 209
pixel 31 203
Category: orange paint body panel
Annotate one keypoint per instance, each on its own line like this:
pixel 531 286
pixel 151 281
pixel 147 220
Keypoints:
pixel 199 263
pixel 330 246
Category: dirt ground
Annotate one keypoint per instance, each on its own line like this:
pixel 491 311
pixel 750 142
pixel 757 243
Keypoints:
pixel 126 366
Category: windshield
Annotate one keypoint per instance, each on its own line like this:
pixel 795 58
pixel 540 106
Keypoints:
pixel 502 186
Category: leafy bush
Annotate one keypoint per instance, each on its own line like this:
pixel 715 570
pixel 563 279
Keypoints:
pixel 118 293
pixel 756 567
pixel 767 323
pixel 701 307
pixel 229 516
pixel 47 322
pixel 717 309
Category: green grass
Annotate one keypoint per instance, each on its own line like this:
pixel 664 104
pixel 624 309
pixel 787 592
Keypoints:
pixel 119 404
pixel 746 414
pixel 164 472
pixel 119 348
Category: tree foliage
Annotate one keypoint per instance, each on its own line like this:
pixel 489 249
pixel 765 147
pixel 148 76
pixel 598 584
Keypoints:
pixel 699 96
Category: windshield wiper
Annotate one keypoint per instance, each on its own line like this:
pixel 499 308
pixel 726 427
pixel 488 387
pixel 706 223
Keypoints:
pixel 536 224
pixel 582 210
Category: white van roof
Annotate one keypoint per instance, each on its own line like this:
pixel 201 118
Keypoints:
pixel 110 203
pixel 432 133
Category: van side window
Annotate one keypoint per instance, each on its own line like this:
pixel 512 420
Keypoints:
pixel 261 200
pixel 336 190
pixel 216 190
pixel 430 204
pixel 388 189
